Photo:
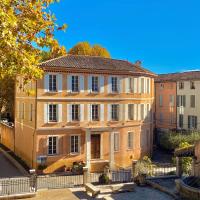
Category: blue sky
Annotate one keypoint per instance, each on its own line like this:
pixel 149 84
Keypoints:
pixel 163 34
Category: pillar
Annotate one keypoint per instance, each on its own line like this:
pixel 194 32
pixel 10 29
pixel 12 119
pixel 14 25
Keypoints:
pixel 179 166
pixel 85 175
pixel 111 158
pixel 88 148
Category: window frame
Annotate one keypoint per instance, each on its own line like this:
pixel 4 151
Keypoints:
pixel 54 118
pixel 116 146
pixel 52 151
pixel 96 114
pixel 130 112
pixel 115 112
pixel 128 141
pixel 192 85
pixel 52 81
pixel 95 84
pixel 75 85
pixel 74 148
pixel 181 85
pixel 75 112
pixel 114 84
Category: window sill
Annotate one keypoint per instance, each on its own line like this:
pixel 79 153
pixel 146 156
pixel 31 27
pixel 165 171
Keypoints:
pixel 52 122
pixel 52 155
pixel 74 154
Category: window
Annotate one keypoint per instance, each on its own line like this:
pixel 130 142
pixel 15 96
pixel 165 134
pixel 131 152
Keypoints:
pixel 75 84
pixel 95 112
pixel 180 121
pixel 116 141
pixel 131 84
pixel 31 112
pixel 192 101
pixel 52 83
pixel 52 145
pixel 142 112
pixel 75 112
pixel 114 84
pixel 181 85
pixel 192 122
pixel 130 140
pixel 142 85
pixel 192 85
pixel 115 112
pixel 181 100
pixel 161 85
pixel 74 143
pixel 171 100
pixel 52 113
pixel 95 84
pixel 161 100
pixel 130 111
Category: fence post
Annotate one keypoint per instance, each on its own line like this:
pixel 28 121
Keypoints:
pixel 85 175
pixel 33 180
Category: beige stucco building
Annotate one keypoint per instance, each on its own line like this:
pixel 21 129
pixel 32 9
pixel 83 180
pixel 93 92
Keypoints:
pixel 90 109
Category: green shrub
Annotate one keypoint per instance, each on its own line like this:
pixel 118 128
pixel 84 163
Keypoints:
pixel 171 141
pixel 41 167
pixel 103 179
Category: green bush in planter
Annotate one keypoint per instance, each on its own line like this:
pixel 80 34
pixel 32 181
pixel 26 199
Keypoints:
pixel 103 179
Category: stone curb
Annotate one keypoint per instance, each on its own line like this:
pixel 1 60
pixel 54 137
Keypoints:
pixel 14 162
pixel 19 196
pixel 162 189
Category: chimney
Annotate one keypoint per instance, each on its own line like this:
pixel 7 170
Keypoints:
pixel 138 63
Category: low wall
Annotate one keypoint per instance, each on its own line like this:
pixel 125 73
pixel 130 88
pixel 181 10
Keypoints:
pixel 7 136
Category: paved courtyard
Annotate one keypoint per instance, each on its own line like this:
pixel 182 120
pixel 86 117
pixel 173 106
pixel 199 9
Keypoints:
pixel 7 169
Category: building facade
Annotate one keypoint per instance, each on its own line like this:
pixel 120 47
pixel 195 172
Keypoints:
pixel 183 89
pixel 85 109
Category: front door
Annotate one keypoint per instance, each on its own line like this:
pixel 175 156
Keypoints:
pixel 95 146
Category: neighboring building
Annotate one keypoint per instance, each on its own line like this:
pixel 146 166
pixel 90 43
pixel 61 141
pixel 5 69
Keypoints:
pixel 185 87
pixel 89 109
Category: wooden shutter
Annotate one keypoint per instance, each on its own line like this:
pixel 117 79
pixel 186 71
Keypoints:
pixel 69 83
pixel 59 81
pixel 109 112
pixel 102 112
pixel 109 84
pixel 135 82
pixel 89 112
pixel 81 82
pixel 139 85
pixel 81 112
pixel 101 84
pixel 46 82
pixel 126 112
pixel 46 113
pixel 89 84
pixel 127 85
pixel 120 84
pixel 69 112
pixel 121 112
pixel 59 114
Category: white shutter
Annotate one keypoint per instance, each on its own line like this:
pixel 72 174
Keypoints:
pixel 145 85
pixel 59 81
pixel 127 85
pixel 135 82
pixel 120 84
pixel 89 84
pixel 69 83
pixel 69 112
pixel 59 114
pixel 89 112
pixel 102 112
pixel 121 112
pixel 126 112
pixel 109 84
pixel 139 112
pixel 109 112
pixel 81 112
pixel 145 111
pixel 81 82
pixel 101 84
pixel 46 82
pixel 135 112
pixel 46 117
pixel 139 85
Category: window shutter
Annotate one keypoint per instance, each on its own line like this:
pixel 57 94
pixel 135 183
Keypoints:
pixel 109 112
pixel 184 100
pixel 101 84
pixel 145 85
pixel 135 82
pixel 81 81
pixel 127 85
pixel 135 112
pixel 126 112
pixel 69 112
pixel 46 82
pixel 139 85
pixel 120 84
pixel 81 112
pixel 145 111
pixel 89 112
pixel 59 114
pixel 59 81
pixel 69 83
pixel 121 112
pixel 139 111
pixel 102 112
pixel 46 117
pixel 89 84
pixel 60 145
pixel 109 84
pixel 178 100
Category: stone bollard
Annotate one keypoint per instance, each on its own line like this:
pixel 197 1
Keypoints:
pixel 33 180
pixel 85 175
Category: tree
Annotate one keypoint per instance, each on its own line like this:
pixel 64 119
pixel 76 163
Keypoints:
pixel 26 28
pixel 84 48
